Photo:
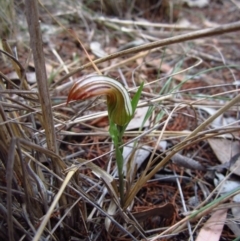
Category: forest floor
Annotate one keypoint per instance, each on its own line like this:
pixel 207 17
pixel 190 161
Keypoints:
pixel 181 149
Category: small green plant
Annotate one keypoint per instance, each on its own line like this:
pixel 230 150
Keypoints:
pixel 120 111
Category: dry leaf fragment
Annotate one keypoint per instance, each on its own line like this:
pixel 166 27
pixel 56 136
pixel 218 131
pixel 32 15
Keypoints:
pixel 196 3
pixel 138 119
pixel 225 150
pixel 212 229
pixel 97 49
pixel 165 212
pixel 139 157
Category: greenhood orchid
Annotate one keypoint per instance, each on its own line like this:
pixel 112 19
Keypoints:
pixel 120 111
pixel 118 101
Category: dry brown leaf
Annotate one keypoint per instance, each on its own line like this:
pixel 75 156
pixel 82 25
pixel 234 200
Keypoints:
pixel 224 150
pixel 212 229
pixel 138 119
pixel 166 211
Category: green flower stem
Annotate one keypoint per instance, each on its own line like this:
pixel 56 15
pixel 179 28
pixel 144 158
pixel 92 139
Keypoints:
pixel 116 133
pixel 120 175
pixel 120 162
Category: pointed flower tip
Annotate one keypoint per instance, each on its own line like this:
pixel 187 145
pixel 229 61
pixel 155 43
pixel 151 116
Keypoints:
pixel 118 100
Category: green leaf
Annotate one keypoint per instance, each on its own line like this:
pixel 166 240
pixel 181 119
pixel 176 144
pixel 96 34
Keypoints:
pixel 134 104
pixel 136 98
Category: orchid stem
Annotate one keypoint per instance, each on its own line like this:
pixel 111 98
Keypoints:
pixel 116 132
pixel 120 162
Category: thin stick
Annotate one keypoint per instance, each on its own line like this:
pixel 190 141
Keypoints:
pixel 226 28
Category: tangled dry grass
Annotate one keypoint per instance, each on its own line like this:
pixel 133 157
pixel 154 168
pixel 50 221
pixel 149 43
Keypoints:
pixel 58 174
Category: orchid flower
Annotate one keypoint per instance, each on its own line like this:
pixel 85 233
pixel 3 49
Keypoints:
pixel 118 101
pixel 120 111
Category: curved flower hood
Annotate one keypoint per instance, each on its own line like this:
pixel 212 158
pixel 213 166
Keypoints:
pixel 118 101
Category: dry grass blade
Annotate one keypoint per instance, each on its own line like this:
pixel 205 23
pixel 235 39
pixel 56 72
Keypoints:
pixel 9 173
pixel 53 205
pixel 41 75
pixel 37 48
pixel 7 132
pixel 16 65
